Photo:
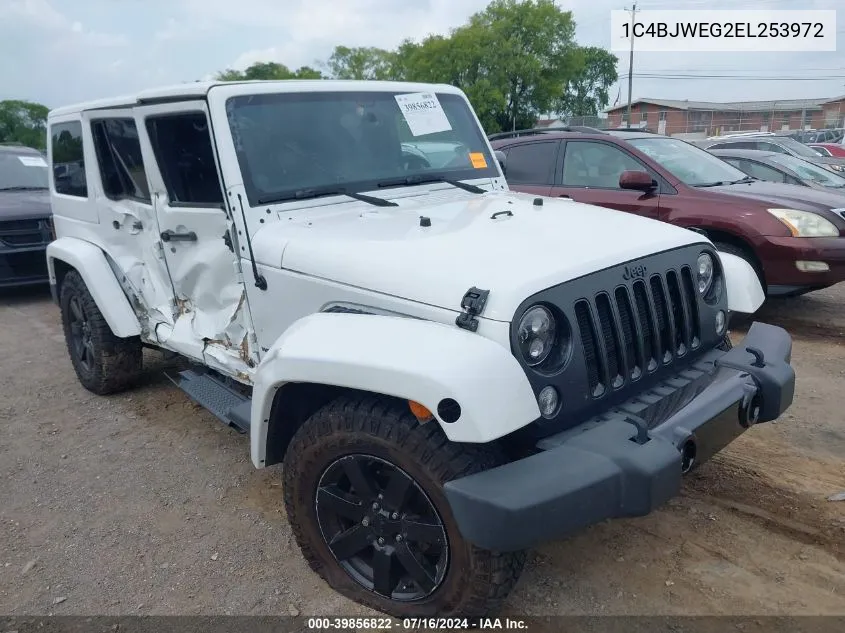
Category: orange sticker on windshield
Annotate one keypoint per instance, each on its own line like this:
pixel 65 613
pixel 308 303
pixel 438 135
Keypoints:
pixel 478 160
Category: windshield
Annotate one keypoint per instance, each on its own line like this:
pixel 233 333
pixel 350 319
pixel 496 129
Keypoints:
pixel 799 148
pixel 808 170
pixel 22 171
pixel 354 141
pixel 692 165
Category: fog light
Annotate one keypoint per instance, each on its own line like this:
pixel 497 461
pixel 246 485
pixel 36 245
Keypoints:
pixel 812 267
pixel 547 401
pixel 720 322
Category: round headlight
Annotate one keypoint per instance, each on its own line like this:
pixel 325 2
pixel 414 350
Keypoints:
pixel 536 335
pixel 704 274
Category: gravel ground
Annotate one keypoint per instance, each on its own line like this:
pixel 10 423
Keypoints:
pixel 144 503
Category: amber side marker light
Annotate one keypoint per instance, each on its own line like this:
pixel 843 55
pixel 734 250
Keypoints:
pixel 420 412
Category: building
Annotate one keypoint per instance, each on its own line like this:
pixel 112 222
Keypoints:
pixel 707 118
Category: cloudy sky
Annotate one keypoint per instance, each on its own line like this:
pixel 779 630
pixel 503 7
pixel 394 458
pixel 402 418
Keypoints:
pixel 61 51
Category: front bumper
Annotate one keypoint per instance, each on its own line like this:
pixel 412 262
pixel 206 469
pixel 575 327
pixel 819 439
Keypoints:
pixel 779 254
pixel 615 465
pixel 23 266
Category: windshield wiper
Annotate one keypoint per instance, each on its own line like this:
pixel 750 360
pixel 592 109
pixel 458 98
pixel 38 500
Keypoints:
pixel 744 180
pixel 319 192
pixel 718 183
pixel 23 188
pixel 421 180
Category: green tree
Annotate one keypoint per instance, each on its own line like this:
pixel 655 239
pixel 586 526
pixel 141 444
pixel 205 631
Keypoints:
pixel 23 122
pixel 587 92
pixel 269 71
pixel 361 63
pixel 514 60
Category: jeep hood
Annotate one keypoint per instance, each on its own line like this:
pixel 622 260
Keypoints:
pixel 498 241
pixel 24 205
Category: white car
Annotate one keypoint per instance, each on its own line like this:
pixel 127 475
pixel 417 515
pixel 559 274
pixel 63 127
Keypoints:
pixel 450 372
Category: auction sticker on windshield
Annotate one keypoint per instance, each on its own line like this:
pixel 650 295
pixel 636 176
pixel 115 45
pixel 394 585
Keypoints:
pixel 32 161
pixel 478 160
pixel 423 113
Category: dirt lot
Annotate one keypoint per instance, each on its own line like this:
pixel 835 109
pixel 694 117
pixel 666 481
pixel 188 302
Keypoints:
pixel 143 503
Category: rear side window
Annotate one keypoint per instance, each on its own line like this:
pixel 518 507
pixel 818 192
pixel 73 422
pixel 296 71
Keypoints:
pixel 598 165
pixel 119 158
pixel 531 163
pixel 761 171
pixel 68 159
pixel 182 147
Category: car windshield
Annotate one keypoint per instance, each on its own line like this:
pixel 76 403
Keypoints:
pixel 288 144
pixel 796 146
pixel 808 170
pixel 693 165
pixel 22 171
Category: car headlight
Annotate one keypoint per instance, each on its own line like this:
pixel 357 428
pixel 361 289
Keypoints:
pixel 704 274
pixel 836 168
pixel 536 335
pixel 805 223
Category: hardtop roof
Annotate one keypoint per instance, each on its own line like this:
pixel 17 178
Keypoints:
pixel 200 89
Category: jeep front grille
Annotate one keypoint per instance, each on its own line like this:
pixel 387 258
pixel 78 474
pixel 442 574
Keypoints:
pixel 21 233
pixel 625 336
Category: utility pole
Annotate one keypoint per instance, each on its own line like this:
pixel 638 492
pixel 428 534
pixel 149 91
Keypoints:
pixel 631 62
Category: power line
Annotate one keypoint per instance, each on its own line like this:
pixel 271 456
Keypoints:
pixel 737 77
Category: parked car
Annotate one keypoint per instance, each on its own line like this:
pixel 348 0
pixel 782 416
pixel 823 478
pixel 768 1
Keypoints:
pixel 777 167
pixel 818 136
pixel 775 143
pixel 25 218
pixel 449 372
pixel 791 235
pixel 835 150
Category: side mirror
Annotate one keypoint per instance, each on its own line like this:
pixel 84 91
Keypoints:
pixel 500 156
pixel 637 180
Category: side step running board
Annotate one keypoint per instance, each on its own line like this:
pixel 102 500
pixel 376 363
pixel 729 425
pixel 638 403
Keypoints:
pixel 228 405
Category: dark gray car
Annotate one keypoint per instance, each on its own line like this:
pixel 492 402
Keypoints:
pixel 777 167
pixel 780 143
pixel 25 217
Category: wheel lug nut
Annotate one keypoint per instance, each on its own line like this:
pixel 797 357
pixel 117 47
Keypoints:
pixel 394 516
pixel 398 538
pixel 375 506
pixel 381 540
pixel 365 522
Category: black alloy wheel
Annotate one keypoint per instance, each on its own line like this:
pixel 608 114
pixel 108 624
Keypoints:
pixel 80 329
pixel 382 528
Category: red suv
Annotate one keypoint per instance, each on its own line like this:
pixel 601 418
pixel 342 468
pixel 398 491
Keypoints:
pixel 794 237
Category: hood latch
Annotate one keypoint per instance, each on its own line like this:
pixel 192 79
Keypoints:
pixel 473 304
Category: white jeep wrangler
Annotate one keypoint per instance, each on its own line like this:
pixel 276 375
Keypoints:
pixel 450 372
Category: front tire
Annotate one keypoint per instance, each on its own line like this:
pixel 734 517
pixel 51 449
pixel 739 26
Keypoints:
pixel 363 488
pixel 104 363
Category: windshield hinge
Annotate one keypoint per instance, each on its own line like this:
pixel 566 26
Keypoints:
pixel 159 250
pixel 473 304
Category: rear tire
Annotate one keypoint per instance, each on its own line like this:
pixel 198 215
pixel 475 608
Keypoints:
pixel 400 553
pixel 104 363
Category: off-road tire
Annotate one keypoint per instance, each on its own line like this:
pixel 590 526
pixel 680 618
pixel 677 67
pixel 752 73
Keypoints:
pixel 115 362
pixel 476 582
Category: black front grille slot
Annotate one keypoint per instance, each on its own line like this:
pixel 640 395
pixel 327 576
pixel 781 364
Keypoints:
pixel 644 315
pixel 615 362
pixel 592 356
pixel 683 334
pixel 691 301
pixel 664 328
pixel 630 338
